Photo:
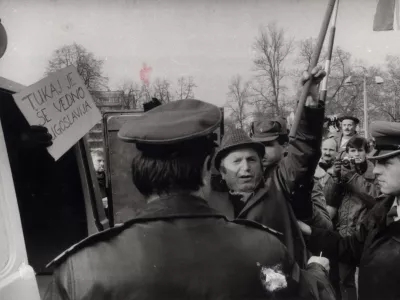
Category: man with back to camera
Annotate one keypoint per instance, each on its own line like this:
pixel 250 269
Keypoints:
pixel 178 247
pixel 374 248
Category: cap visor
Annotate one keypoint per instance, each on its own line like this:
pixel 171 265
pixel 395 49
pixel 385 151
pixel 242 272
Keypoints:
pixel 265 138
pixel 383 154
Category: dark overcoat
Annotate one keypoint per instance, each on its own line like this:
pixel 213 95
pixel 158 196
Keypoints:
pixel 180 248
pixel 286 195
pixel 375 249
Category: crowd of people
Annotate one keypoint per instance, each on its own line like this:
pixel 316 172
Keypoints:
pixel 260 216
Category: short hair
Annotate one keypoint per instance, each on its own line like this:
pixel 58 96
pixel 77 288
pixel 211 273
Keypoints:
pixel 283 139
pixel 177 168
pixel 357 142
pixel 97 152
pixel 333 140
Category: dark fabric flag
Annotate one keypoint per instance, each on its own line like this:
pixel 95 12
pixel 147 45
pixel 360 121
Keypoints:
pixel 384 16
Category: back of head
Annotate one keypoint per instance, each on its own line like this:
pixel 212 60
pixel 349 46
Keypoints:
pixel 174 141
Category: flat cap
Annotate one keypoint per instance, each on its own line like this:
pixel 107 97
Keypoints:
pixel 387 139
pixel 269 130
pixel 237 139
pixel 172 123
pixel 356 120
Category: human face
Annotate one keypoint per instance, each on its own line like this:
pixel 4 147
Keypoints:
pixel 241 169
pixel 359 155
pixel 387 172
pixel 98 162
pixel 348 127
pixel 273 153
pixel 328 150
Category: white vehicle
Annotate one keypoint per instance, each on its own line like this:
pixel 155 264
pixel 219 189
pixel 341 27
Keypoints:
pixel 17 277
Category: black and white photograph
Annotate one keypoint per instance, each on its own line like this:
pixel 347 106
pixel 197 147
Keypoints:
pixel 199 149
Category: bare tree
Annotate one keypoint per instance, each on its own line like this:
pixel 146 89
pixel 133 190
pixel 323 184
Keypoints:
pixel 306 49
pixel 133 94
pixel 89 67
pixel 239 101
pixel 229 125
pixel 385 99
pixel 272 48
pixel 162 90
pixel 338 96
pixel 185 89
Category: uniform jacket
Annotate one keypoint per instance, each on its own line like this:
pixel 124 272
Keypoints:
pixel 179 248
pixel 287 191
pixel 353 198
pixel 375 249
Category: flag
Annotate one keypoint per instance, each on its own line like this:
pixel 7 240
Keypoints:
pixel 384 16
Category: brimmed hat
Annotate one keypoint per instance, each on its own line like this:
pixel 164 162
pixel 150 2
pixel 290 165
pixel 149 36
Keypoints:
pixel 269 130
pixel 237 139
pixel 173 127
pixel 387 139
pixel 356 120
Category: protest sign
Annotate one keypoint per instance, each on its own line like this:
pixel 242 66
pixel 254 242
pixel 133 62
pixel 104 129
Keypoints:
pixel 62 104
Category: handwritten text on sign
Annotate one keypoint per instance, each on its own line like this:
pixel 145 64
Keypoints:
pixel 61 103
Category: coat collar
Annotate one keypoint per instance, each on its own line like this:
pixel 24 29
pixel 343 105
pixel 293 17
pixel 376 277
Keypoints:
pixel 177 205
pixel 258 195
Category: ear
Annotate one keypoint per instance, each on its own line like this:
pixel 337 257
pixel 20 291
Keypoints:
pixel 206 171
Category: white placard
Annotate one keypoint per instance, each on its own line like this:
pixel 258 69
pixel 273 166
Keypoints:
pixel 61 103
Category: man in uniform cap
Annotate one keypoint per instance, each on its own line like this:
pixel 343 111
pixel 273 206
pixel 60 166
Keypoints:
pixel 178 247
pixel 285 196
pixel 348 125
pixel 375 247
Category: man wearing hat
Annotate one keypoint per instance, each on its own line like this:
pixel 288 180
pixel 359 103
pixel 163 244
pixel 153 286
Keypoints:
pixel 273 134
pixel 177 247
pixel 247 196
pixel 348 125
pixel 375 247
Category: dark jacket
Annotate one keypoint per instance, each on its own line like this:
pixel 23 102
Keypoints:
pixel 375 249
pixel 353 198
pixel 320 218
pixel 179 248
pixel 287 191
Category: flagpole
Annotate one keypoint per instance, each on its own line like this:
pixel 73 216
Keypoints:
pixel 314 62
pixel 324 83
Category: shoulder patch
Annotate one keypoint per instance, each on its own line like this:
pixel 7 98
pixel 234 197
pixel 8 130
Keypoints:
pixel 90 240
pixel 254 224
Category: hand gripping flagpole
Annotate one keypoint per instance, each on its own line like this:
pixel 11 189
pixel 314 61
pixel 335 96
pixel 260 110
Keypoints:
pixel 324 83
pixel 314 62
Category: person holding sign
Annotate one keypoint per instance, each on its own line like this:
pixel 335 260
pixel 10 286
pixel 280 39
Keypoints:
pixel 49 193
pixel 62 104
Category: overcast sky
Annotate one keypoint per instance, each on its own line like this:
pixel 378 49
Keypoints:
pixel 210 40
